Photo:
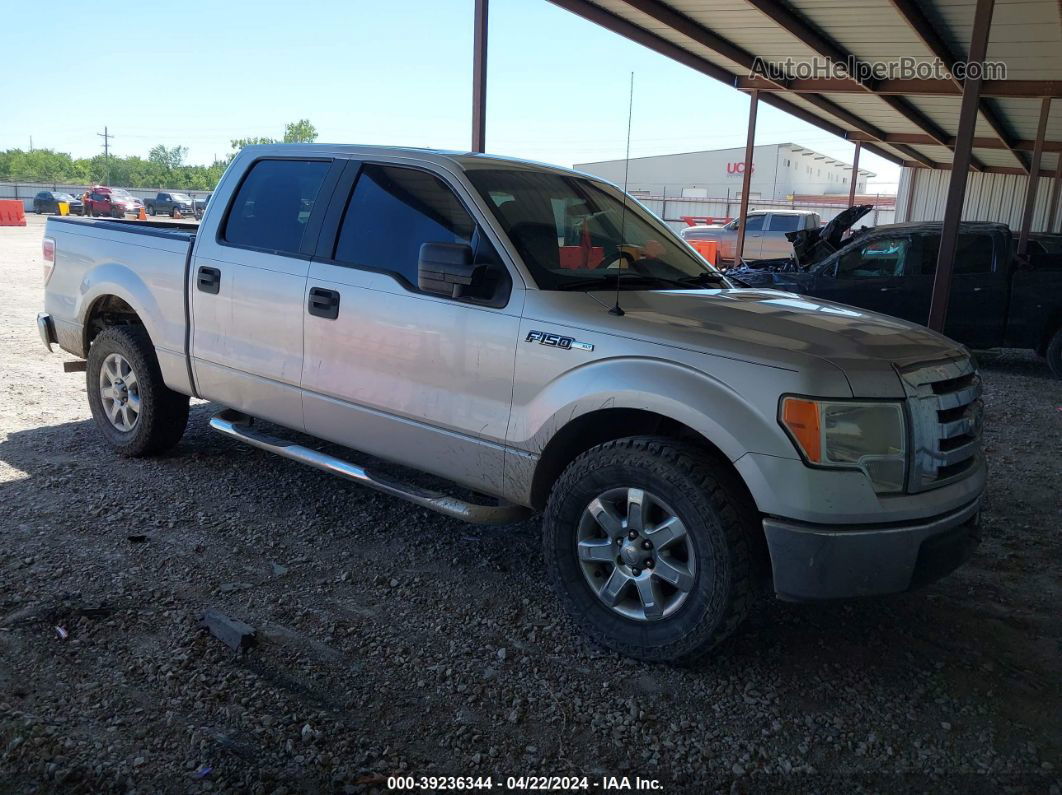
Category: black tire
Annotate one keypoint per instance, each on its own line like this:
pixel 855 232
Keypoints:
pixel 37 209
pixel 163 413
pixel 719 522
pixel 1054 354
pixel 152 210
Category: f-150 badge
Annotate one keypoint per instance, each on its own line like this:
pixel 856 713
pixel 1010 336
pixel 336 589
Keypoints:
pixel 557 341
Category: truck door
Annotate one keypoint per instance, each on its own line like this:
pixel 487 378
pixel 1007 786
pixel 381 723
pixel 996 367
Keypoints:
pixel 977 304
pixel 753 237
pixel 248 281
pixel 409 376
pixel 775 244
pixel 869 275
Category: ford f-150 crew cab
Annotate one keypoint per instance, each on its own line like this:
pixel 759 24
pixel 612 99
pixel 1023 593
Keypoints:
pixel 686 441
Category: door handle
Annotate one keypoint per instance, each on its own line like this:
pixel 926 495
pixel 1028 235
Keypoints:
pixel 324 303
pixel 208 280
pixel 889 289
pixel 978 289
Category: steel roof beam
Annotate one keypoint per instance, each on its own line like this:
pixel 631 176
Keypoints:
pixel 783 15
pixel 930 36
pixel 606 19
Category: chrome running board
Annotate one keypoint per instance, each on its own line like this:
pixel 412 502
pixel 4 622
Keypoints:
pixel 237 425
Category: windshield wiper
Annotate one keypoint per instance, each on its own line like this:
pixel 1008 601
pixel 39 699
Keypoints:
pixel 609 279
pixel 707 277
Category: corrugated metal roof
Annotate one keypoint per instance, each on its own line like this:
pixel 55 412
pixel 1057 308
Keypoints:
pixel 722 37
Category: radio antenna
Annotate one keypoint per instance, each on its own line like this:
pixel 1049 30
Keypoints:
pixel 616 310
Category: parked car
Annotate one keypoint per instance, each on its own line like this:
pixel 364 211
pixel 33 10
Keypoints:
pixel 115 202
pixel 169 204
pixel 765 233
pixel 200 203
pixel 686 441
pixel 48 202
pixel 995 300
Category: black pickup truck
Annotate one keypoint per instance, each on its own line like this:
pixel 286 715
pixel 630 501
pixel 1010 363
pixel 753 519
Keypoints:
pixel 997 300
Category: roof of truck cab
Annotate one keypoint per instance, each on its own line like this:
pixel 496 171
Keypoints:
pixel 466 161
pixel 965 226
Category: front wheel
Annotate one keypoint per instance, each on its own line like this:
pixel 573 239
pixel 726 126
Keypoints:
pixel 137 413
pixel 647 545
pixel 1054 354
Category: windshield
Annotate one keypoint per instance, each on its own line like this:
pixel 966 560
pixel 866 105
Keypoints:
pixel 121 194
pixel 573 233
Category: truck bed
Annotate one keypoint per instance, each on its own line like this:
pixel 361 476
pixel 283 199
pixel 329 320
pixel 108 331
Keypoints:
pixel 141 263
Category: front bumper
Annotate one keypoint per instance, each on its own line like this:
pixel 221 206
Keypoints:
pixel 47 330
pixel 812 562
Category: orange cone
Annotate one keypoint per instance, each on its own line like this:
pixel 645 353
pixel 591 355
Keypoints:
pixel 176 213
pixel 141 216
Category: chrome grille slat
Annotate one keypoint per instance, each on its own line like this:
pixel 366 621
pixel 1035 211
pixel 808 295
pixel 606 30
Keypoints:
pixel 961 427
pixel 961 398
pixel 945 407
pixel 959 454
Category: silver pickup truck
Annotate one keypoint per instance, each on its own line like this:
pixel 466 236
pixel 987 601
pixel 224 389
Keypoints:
pixel 533 335
pixel 765 234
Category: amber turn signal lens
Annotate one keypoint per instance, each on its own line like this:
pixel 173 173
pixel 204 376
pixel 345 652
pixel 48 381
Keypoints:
pixel 801 417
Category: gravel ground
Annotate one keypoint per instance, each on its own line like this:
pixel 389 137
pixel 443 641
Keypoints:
pixel 395 641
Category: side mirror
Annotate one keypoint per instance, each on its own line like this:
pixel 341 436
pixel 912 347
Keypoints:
pixel 446 269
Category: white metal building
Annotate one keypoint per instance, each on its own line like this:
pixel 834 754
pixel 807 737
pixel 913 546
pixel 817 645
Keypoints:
pixel 989 197
pixel 778 171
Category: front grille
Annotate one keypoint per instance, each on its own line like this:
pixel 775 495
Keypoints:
pixel 945 409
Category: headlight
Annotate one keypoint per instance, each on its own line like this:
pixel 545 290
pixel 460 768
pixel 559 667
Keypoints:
pixel 848 434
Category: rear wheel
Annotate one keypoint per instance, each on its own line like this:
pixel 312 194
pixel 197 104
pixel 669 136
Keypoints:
pixel 152 210
pixel 1054 354
pixel 647 545
pixel 136 412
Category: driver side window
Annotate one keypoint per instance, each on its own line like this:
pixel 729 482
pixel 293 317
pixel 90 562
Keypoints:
pixel 881 258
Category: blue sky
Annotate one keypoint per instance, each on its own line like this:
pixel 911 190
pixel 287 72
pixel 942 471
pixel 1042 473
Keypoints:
pixel 363 72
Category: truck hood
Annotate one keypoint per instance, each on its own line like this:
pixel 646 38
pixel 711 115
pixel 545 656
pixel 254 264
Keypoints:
pixel 784 330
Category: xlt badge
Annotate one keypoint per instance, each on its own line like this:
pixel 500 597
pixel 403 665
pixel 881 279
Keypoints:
pixel 557 341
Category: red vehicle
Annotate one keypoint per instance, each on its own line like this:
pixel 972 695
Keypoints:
pixel 115 202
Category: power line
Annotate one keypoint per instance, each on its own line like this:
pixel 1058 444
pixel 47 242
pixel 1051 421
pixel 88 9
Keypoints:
pixel 106 136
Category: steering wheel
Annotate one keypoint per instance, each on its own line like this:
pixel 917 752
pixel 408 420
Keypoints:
pixel 612 255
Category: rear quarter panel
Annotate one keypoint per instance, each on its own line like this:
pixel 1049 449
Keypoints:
pixel 145 271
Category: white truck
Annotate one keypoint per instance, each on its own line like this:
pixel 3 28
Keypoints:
pixel 765 234
pixel 536 336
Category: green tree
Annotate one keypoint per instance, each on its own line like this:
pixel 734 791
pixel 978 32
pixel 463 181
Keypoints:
pixel 169 159
pixel 300 132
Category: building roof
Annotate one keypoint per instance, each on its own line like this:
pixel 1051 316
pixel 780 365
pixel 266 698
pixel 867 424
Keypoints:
pixel 908 121
pixel 796 148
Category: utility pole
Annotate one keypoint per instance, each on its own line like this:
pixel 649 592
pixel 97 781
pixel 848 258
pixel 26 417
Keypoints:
pixel 106 136
pixel 31 143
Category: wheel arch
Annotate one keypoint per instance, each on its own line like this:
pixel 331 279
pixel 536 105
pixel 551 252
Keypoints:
pixel 607 424
pixel 116 295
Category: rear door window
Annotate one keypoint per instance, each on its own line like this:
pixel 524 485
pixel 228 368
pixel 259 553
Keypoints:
pixel 785 223
pixel 973 254
pixel 273 205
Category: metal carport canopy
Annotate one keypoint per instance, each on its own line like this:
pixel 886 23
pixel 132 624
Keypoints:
pixel 912 122
pixel 1004 126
